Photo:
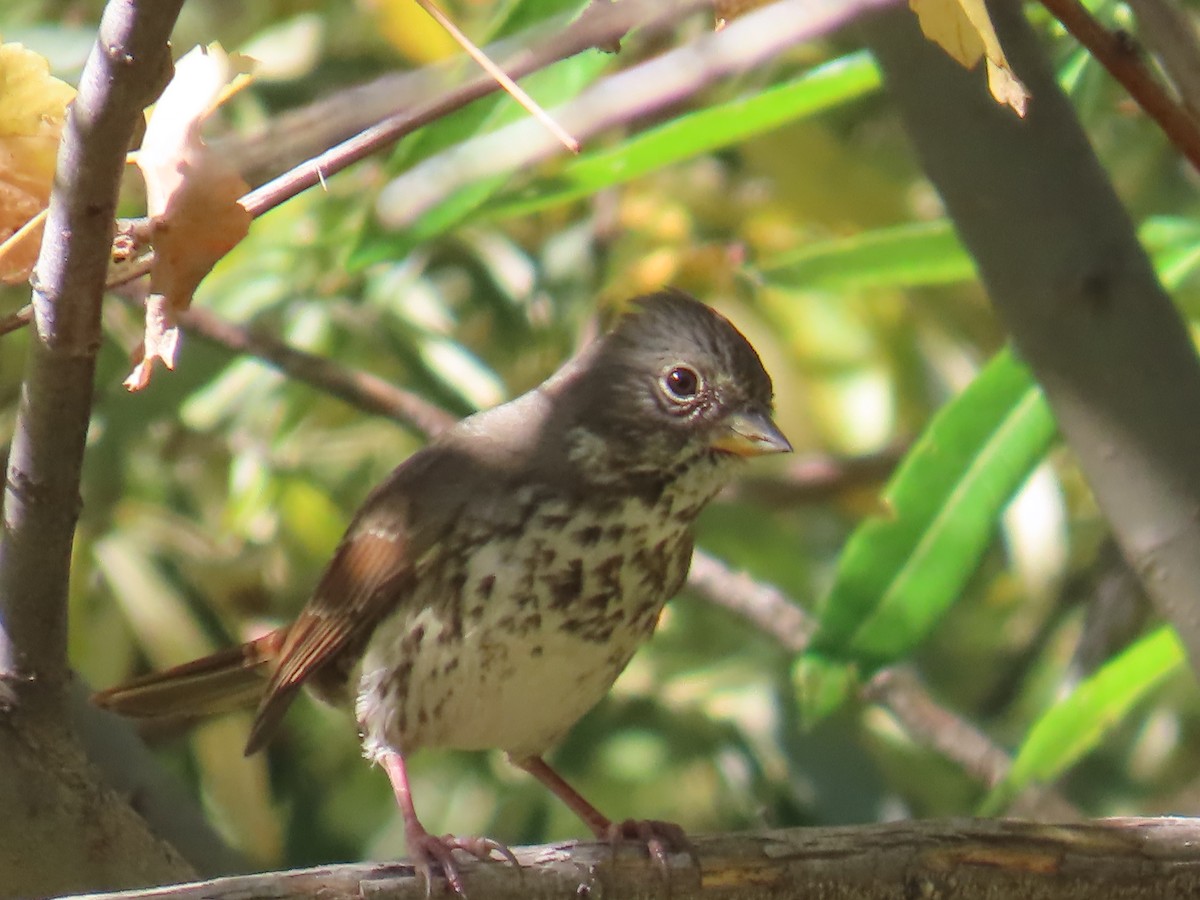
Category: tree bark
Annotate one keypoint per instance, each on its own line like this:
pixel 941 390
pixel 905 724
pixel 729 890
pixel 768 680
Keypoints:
pixel 1061 261
pixel 61 829
pixel 1122 859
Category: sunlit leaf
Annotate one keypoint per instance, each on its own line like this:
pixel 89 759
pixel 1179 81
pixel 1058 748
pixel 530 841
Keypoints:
pixel 964 30
pixel 412 31
pixel 825 87
pixel 909 255
pixel 395 230
pixel 32 107
pixel 900 571
pixel 822 686
pixel 1076 724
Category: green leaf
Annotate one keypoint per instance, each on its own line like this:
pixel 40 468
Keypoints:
pixel 824 87
pixel 1075 725
pixel 900 572
pixel 549 87
pixel 375 243
pixel 827 86
pixel 908 255
pixel 822 686
pixel 157 610
pixel 1174 245
pixel 921 254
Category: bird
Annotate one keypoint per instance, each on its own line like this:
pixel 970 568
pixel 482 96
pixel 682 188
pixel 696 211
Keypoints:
pixel 489 591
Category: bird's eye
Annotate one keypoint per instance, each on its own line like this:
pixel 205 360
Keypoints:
pixel 682 383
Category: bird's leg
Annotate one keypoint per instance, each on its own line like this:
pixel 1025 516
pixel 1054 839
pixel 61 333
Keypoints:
pixel 660 838
pixel 427 849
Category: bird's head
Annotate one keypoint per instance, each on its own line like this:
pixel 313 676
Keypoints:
pixel 674 382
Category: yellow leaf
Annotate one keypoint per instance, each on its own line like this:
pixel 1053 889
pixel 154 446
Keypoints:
pixel 33 105
pixel 411 30
pixel 32 101
pixel 963 29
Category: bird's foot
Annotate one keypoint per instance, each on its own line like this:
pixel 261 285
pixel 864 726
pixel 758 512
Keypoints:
pixel 428 851
pixel 659 838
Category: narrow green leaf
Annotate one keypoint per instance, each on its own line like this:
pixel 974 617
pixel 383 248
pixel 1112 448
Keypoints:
pixel 1174 245
pixel 549 87
pixel 833 84
pixel 1073 726
pixel 901 571
pixel 908 255
pixel 921 254
pixel 822 686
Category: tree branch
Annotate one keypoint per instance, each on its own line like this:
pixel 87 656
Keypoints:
pixel 16 320
pixel 626 96
pixel 763 605
pixel 1062 264
pixel 900 691
pixel 1117 859
pixel 161 800
pixel 602 24
pixel 362 389
pixel 61 829
pixel 1118 53
pixel 1170 33
pixel 123 74
pixel 897 689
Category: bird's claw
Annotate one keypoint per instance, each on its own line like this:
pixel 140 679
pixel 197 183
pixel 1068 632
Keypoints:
pixel 481 848
pixel 428 850
pixel 660 838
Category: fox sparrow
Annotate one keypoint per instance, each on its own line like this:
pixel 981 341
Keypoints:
pixel 490 590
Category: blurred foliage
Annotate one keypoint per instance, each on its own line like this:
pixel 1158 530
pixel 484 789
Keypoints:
pixel 787 198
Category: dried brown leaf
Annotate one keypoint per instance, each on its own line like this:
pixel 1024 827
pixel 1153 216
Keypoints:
pixel 192 196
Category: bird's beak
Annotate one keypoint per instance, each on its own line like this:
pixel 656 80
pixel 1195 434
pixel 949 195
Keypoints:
pixel 751 433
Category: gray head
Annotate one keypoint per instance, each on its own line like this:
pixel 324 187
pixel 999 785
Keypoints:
pixel 673 383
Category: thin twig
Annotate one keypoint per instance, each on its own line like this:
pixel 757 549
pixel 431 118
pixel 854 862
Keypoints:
pixel 1170 33
pixel 17 320
pixel 14 240
pixel 530 105
pixel 294 135
pixel 819 477
pixel 362 389
pixel 1119 55
pixel 601 24
pixel 635 93
pixel 897 688
pixel 764 605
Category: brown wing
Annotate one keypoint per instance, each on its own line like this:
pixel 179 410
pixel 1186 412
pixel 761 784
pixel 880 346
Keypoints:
pixel 372 571
pixel 369 576
pixel 365 579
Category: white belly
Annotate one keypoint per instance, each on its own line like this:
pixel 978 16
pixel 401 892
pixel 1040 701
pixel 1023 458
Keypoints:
pixel 508 661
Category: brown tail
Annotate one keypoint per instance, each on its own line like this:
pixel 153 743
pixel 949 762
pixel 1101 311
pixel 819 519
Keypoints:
pixel 228 680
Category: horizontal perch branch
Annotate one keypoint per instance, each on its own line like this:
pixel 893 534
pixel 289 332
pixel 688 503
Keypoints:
pixel 963 858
